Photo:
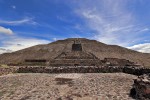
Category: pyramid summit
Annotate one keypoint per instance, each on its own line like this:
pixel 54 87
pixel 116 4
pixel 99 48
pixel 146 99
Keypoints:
pixel 75 51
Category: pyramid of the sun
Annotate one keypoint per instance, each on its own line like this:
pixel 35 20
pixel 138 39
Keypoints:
pixel 76 57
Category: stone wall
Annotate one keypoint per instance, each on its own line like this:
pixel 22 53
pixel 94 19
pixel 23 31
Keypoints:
pixel 84 62
pixel 77 58
pixel 4 71
pixel 118 62
pixel 84 69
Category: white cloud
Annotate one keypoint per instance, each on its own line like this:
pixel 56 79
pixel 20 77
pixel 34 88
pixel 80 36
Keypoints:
pixel 145 29
pixel 55 39
pixel 15 44
pixel 111 21
pixel 13 6
pixel 19 22
pixel 2 50
pixel 145 47
pixel 5 30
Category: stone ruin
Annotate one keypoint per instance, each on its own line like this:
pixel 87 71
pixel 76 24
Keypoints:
pixel 78 57
pixel 83 69
pixel 141 88
pixel 35 62
pixel 7 70
pixel 77 60
pixel 80 61
pixel 118 62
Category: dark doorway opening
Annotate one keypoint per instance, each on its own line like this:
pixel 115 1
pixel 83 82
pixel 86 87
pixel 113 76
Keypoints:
pixel 76 47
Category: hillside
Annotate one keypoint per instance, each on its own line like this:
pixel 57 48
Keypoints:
pixel 52 50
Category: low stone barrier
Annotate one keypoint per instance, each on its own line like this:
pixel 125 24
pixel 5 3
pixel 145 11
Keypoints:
pixel 75 69
pixel 83 69
pixel 4 71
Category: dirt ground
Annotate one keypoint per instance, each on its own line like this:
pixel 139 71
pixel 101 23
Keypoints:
pixel 88 86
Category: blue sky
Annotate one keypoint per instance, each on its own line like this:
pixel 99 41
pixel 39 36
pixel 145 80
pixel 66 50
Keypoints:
pixel 24 23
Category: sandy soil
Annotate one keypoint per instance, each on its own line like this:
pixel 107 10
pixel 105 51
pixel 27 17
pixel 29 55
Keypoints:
pixel 89 86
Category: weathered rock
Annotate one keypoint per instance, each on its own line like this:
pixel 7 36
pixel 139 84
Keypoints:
pixel 141 87
pixel 4 71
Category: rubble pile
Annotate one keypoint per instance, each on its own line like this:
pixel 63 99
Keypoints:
pixel 141 87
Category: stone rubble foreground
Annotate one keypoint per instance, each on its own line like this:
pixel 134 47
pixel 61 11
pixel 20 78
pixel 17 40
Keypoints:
pixel 87 86
pixel 141 87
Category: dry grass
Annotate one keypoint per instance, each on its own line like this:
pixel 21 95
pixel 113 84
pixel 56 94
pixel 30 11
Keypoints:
pixel 4 66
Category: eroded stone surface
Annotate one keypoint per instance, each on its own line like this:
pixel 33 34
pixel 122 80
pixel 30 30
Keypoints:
pixel 141 87
pixel 7 70
pixel 89 86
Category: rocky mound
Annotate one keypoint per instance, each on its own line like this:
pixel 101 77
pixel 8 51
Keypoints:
pixel 141 87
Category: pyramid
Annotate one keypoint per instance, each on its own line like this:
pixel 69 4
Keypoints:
pixel 76 57
pixel 73 49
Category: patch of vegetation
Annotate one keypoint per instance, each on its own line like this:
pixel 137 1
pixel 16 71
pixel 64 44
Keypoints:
pixel 4 66
pixel 2 93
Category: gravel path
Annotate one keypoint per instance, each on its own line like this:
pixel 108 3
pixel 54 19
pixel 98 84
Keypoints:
pixel 88 86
